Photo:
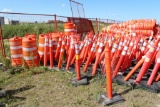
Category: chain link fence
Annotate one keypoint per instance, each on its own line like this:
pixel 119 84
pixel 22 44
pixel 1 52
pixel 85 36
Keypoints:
pixel 19 24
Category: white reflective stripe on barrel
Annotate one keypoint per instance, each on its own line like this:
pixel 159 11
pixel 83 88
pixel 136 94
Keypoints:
pixel 29 49
pixel 16 56
pixel 68 30
pixel 41 45
pixel 29 57
pixel 15 47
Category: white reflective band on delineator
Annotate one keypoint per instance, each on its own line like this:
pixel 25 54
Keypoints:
pixel 143 48
pixel 149 46
pixel 144 44
pixel 121 43
pixel 41 53
pixel 46 44
pixel 72 46
pixel 46 40
pixel 58 45
pixel 50 45
pixel 41 45
pixel 120 47
pixel 131 43
pixel 113 50
pixel 17 56
pixel 63 43
pixel 15 47
pixel 62 50
pixel 29 49
pixel 94 45
pixel 29 58
pixel 68 30
pixel 60 39
pixel 158 60
pixel 76 46
pixel 99 50
pixel 97 43
pixel 101 44
pixel 115 46
pixel 93 49
pixel 125 48
pixel 123 52
pixel 77 51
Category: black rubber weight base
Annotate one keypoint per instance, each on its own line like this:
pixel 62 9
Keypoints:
pixel 155 87
pixel 83 81
pixel 107 101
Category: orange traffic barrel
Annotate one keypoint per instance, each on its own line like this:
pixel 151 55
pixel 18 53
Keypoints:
pixel 69 28
pixel 16 51
pixel 30 52
pixel 41 47
pixel 55 36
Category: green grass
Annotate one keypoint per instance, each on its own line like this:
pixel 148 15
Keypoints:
pixel 22 29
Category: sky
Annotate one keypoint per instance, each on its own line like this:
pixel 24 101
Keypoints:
pixel 121 10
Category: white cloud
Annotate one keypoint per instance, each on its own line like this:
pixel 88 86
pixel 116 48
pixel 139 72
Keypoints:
pixel 6 10
pixel 63 5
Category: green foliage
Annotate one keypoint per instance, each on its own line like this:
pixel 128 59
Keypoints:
pixel 22 29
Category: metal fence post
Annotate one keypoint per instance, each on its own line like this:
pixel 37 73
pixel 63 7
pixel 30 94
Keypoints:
pixel 1 43
pixel 55 23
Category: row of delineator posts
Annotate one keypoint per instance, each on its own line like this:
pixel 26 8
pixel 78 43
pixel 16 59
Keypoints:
pixel 136 40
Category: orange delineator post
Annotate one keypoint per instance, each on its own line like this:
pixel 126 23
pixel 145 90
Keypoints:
pixel 108 72
pixel 71 54
pixel 146 63
pixel 46 49
pixel 51 51
pixel 158 77
pixel 154 72
pixel 97 58
pixel 78 76
pixel 134 69
pixel 90 56
pixel 58 48
pixel 61 53
pixel 120 61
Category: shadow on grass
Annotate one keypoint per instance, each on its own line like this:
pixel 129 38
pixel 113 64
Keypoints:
pixel 10 97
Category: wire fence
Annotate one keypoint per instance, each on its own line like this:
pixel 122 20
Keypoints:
pixel 20 24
